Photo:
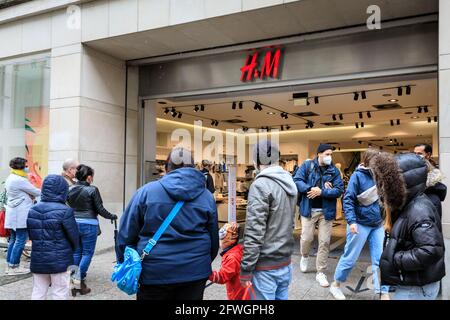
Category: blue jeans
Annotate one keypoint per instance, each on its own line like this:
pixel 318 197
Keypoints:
pixel 353 247
pixel 272 284
pixel 427 292
pixel 86 247
pixel 16 244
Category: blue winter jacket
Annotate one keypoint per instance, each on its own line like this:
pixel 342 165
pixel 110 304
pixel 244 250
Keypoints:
pixel 188 246
pixel 52 229
pixel 370 215
pixel 307 177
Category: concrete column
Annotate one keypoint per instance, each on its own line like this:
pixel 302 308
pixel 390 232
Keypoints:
pixel 87 122
pixel 444 129
pixel 149 141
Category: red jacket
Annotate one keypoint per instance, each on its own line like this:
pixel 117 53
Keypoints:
pixel 229 273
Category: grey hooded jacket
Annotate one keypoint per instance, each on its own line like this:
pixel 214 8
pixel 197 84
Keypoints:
pixel 268 237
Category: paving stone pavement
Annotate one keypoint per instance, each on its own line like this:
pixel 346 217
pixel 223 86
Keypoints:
pixel 303 287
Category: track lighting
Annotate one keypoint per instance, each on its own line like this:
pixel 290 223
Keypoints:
pixel 369 115
pixel 240 105
pixel 399 91
pixel 245 129
pixel 360 115
pixel 425 109
pixel 355 96
pixel 363 95
pixel 288 127
pixel 196 108
pixel 309 124
pixel 392 122
pixel 391 141
pixel 357 125
pixel 359 141
pixel 284 115
pixel 370 145
pixel 435 119
pixel 173 112
pixel 180 115
pixel 233 106
pixel 257 106
pixel 202 107
pixel 214 123
pixel 341 117
pixel 408 90
pixel 316 100
pixel 429 119
pixel 419 110
pixel 282 128
pixel 398 122
pixel 166 111
pixel 362 124
pixel 334 117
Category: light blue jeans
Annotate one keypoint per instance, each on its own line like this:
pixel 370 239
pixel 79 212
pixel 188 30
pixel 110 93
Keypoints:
pixel 353 247
pixel 427 292
pixel 16 244
pixel 272 284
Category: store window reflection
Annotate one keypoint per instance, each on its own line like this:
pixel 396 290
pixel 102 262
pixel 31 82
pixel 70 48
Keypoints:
pixel 24 116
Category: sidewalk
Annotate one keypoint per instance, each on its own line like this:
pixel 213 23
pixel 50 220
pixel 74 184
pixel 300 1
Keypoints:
pixel 303 285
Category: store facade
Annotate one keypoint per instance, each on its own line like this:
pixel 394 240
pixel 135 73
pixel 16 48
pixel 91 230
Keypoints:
pixel 76 74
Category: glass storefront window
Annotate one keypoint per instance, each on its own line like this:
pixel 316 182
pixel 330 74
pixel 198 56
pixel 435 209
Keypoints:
pixel 24 116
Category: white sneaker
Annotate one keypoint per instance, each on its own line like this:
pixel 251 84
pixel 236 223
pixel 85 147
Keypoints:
pixel 7 270
pixel 321 278
pixel 18 271
pixel 337 293
pixel 304 264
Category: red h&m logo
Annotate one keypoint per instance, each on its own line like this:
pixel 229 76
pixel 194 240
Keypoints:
pixel 269 69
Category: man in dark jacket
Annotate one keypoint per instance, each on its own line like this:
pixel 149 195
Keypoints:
pixel 319 184
pixel 180 263
pixel 54 234
pixel 413 259
pixel 206 166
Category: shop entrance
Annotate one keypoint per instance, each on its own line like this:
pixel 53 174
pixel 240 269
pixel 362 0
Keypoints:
pixel 392 114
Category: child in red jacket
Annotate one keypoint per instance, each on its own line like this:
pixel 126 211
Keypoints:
pixel 231 262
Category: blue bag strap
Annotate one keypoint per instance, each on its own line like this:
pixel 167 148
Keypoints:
pixel 152 242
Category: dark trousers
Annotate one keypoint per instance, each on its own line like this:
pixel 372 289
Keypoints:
pixel 177 291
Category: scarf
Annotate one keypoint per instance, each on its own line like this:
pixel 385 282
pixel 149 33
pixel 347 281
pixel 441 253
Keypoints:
pixel 20 173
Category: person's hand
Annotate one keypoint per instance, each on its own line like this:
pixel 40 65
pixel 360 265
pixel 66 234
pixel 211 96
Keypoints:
pixel 114 217
pixel 328 185
pixel 245 283
pixel 354 228
pixel 315 192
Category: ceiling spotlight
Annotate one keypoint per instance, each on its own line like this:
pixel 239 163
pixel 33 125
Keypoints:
pixel 425 109
pixel 362 124
pixel 369 115
pixel 316 100
pixel 399 91
pixel 166 111
pixel 196 108
pixel 282 128
pixel 363 95
pixel 402 144
pixel 357 125
pixel 435 119
pixel 398 122
pixel 245 129
pixel 419 110
pixel 174 114
pixel 180 115
pixel 395 140
pixel 360 115
pixel 370 145
pixel 240 104
pixel 288 127
pixel 334 117
pixel 391 141
pixel 393 100
pixel 429 119
pixel 408 90
pixel 202 107
pixel 341 117
pixel 359 141
pixel 392 122
pixel 233 106
pixel 355 96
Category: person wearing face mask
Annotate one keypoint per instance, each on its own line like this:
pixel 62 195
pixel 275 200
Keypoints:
pixel 436 190
pixel 87 204
pixel 319 184
pixel 69 170
pixel 21 195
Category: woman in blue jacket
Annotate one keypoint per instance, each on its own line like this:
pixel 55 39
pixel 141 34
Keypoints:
pixel 180 263
pixel 54 232
pixel 364 223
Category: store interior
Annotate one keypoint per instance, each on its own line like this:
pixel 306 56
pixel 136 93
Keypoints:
pixel 392 115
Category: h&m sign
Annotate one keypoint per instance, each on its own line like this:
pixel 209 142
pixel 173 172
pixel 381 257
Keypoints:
pixel 270 66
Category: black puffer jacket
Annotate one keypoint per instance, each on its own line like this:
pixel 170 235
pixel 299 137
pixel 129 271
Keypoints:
pixel 414 255
pixel 87 202
pixel 437 194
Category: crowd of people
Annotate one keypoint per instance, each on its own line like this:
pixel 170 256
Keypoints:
pixel 393 203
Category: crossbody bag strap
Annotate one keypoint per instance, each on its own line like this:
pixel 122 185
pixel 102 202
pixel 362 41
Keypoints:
pixel 152 242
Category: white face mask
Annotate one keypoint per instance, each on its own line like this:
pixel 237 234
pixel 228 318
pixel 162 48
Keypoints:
pixel 327 160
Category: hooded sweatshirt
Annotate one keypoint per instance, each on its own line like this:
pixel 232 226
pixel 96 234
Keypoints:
pixel 188 246
pixel 268 236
